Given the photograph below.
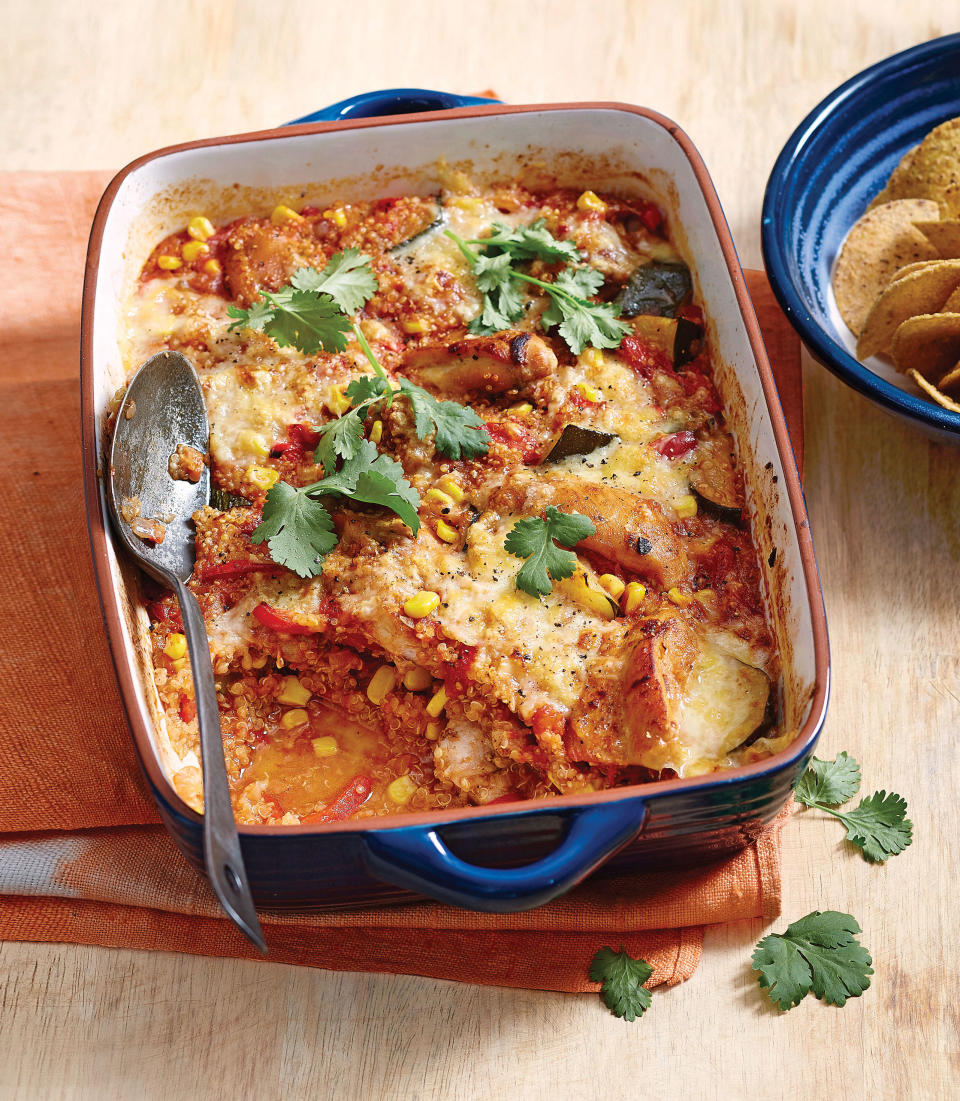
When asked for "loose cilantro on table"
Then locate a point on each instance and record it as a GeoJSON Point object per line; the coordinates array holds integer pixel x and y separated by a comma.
{"type": "Point", "coordinates": [310, 314]}
{"type": "Point", "coordinates": [622, 977]}
{"type": "Point", "coordinates": [879, 826]}
{"type": "Point", "coordinates": [579, 320]}
{"type": "Point", "coordinates": [533, 539]}
{"type": "Point", "coordinates": [818, 954]}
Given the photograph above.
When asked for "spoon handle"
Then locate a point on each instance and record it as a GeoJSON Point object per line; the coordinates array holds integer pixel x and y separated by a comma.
{"type": "Point", "coordinates": [221, 844]}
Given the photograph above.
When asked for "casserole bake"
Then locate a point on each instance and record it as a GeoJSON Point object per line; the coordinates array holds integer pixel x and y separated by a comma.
{"type": "Point", "coordinates": [628, 152]}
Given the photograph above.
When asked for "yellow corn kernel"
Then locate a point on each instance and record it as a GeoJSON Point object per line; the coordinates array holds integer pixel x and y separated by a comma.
{"type": "Point", "coordinates": [590, 393]}
{"type": "Point", "coordinates": [376, 431]}
{"type": "Point", "coordinates": [444, 499]}
{"type": "Point", "coordinates": [612, 584]}
{"type": "Point", "coordinates": [169, 263]}
{"type": "Point", "coordinates": [200, 228]}
{"type": "Point", "coordinates": [633, 596]}
{"type": "Point", "coordinates": [401, 790]}
{"type": "Point", "coordinates": [437, 703]}
{"type": "Point", "coordinates": [293, 692]}
{"type": "Point", "coordinates": [447, 533]}
{"type": "Point", "coordinates": [451, 486]}
{"type": "Point", "coordinates": [336, 215]}
{"type": "Point", "coordinates": [589, 200]}
{"type": "Point", "coordinates": [254, 442]}
{"type": "Point", "coordinates": [432, 732]}
{"type": "Point", "coordinates": [421, 604]}
{"type": "Point", "coordinates": [521, 410]}
{"type": "Point", "coordinates": [381, 683]}
{"type": "Point", "coordinates": [686, 506]}
{"type": "Point", "coordinates": [178, 664]}
{"type": "Point", "coordinates": [263, 477]}
{"type": "Point", "coordinates": [468, 202]}
{"type": "Point", "coordinates": [293, 718]}
{"type": "Point", "coordinates": [325, 746]}
{"type": "Point", "coordinates": [579, 587]}
{"type": "Point", "coordinates": [193, 250]}
{"type": "Point", "coordinates": [282, 214]}
{"type": "Point", "coordinates": [415, 325]}
{"type": "Point", "coordinates": [592, 357]}
{"type": "Point", "coordinates": [212, 267]}
{"type": "Point", "coordinates": [337, 401]}
{"type": "Point", "coordinates": [417, 680]}
{"type": "Point", "coordinates": [176, 646]}
{"type": "Point", "coordinates": [682, 600]}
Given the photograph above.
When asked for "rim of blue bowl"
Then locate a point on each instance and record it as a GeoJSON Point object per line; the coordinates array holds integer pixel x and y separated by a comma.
{"type": "Point", "coordinates": [780, 270]}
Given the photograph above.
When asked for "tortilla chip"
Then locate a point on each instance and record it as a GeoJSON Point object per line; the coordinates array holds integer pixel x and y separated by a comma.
{"type": "Point", "coordinates": [950, 383]}
{"type": "Point", "coordinates": [882, 242]}
{"type": "Point", "coordinates": [932, 392]}
{"type": "Point", "coordinates": [944, 236]}
{"type": "Point", "coordinates": [928, 343]}
{"type": "Point", "coordinates": [908, 269]}
{"type": "Point", "coordinates": [894, 184]}
{"type": "Point", "coordinates": [952, 304]}
{"type": "Point", "coordinates": [933, 171]}
{"type": "Point", "coordinates": [923, 291]}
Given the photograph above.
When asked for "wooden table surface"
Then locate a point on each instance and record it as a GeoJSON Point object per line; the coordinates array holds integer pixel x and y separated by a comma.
{"type": "Point", "coordinates": [92, 86]}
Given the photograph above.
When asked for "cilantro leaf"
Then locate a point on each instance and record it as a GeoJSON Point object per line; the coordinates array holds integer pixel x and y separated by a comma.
{"type": "Point", "coordinates": [339, 439]}
{"type": "Point", "coordinates": [879, 826]}
{"type": "Point", "coordinates": [829, 782]}
{"type": "Point", "coordinates": [533, 539]}
{"type": "Point", "coordinates": [532, 242]}
{"type": "Point", "coordinates": [582, 282]}
{"type": "Point", "coordinates": [297, 529]}
{"type": "Point", "coordinates": [622, 977]}
{"type": "Point", "coordinates": [459, 430]}
{"type": "Point", "coordinates": [255, 318]}
{"type": "Point", "coordinates": [298, 318]}
{"type": "Point", "coordinates": [503, 303]}
{"type": "Point", "coordinates": [366, 388]}
{"type": "Point", "coordinates": [582, 323]}
{"type": "Point", "coordinates": [347, 278]}
{"type": "Point", "coordinates": [818, 954]}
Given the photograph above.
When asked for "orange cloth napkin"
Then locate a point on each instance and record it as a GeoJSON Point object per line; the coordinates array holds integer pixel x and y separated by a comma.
{"type": "Point", "coordinates": [81, 856]}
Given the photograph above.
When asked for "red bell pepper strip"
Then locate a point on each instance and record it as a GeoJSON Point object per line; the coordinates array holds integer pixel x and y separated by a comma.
{"type": "Point", "coordinates": [236, 568]}
{"type": "Point", "coordinates": [346, 804]}
{"type": "Point", "coordinates": [277, 621]}
{"type": "Point", "coordinates": [675, 445]}
{"type": "Point", "coordinates": [645, 358]}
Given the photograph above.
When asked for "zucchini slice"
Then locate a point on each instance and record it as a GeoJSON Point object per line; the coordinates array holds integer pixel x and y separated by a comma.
{"type": "Point", "coordinates": [715, 480]}
{"type": "Point", "coordinates": [657, 288]}
{"type": "Point", "coordinates": [222, 500]}
{"type": "Point", "coordinates": [437, 221]}
{"type": "Point", "coordinates": [576, 440]}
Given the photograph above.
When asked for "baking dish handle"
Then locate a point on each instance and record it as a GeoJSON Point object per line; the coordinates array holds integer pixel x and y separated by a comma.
{"type": "Point", "coordinates": [416, 858]}
{"type": "Point", "coordinates": [390, 101]}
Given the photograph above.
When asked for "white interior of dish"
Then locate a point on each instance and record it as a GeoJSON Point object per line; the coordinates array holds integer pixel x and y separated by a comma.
{"type": "Point", "coordinates": [599, 148]}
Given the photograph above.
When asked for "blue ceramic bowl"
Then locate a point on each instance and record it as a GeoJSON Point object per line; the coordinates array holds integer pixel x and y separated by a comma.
{"type": "Point", "coordinates": [835, 162]}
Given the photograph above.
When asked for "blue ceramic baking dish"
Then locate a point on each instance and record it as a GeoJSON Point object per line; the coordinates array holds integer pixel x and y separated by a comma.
{"type": "Point", "coordinates": [835, 162]}
{"type": "Point", "coordinates": [504, 857]}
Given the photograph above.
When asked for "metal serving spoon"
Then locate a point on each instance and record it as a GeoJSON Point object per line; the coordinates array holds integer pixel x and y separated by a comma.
{"type": "Point", "coordinates": [163, 407]}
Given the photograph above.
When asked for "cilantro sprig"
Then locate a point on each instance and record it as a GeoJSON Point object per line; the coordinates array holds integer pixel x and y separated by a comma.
{"type": "Point", "coordinates": [878, 826]}
{"type": "Point", "coordinates": [298, 528]}
{"type": "Point", "coordinates": [578, 319]}
{"type": "Point", "coordinates": [535, 540]}
{"type": "Point", "coordinates": [818, 954]}
{"type": "Point", "coordinates": [311, 314]}
{"type": "Point", "coordinates": [622, 977]}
